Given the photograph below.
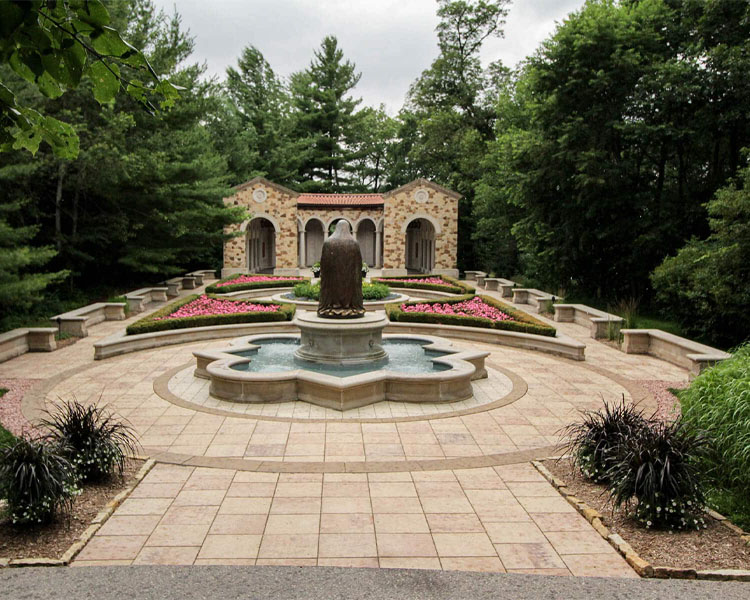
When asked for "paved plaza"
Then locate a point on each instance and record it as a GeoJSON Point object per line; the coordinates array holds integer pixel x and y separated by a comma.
{"type": "Point", "coordinates": [392, 485]}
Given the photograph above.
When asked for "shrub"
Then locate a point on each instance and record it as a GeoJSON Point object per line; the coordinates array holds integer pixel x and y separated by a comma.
{"type": "Point", "coordinates": [224, 286]}
{"type": "Point", "coordinates": [370, 291]}
{"type": "Point", "coordinates": [718, 401]}
{"type": "Point", "coordinates": [36, 480]}
{"type": "Point", "coordinates": [521, 322]}
{"type": "Point", "coordinates": [156, 322]}
{"type": "Point", "coordinates": [658, 467]}
{"type": "Point", "coordinates": [596, 441]}
{"type": "Point", "coordinates": [451, 286]}
{"type": "Point", "coordinates": [94, 441]}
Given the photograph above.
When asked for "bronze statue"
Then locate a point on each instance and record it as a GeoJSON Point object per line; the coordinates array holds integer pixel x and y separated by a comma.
{"type": "Point", "coordinates": [341, 276]}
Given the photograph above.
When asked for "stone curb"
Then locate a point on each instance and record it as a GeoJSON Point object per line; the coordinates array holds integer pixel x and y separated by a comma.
{"type": "Point", "coordinates": [639, 565]}
{"type": "Point", "coordinates": [96, 524]}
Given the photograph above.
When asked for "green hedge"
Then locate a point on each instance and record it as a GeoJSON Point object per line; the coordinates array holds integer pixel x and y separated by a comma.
{"type": "Point", "coordinates": [149, 325]}
{"type": "Point", "coordinates": [452, 286]}
{"type": "Point", "coordinates": [523, 323]}
{"type": "Point", "coordinates": [258, 285]}
{"type": "Point", "coordinates": [370, 291]}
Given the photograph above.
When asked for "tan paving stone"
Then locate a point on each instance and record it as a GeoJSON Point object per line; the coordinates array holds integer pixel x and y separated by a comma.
{"type": "Point", "coordinates": [335, 504]}
{"type": "Point", "coordinates": [199, 498]}
{"type": "Point", "coordinates": [557, 572]}
{"type": "Point", "coordinates": [178, 535]}
{"type": "Point", "coordinates": [113, 547]}
{"type": "Point", "coordinates": [557, 504]}
{"type": "Point", "coordinates": [598, 565]}
{"type": "Point", "coordinates": [579, 542]}
{"type": "Point", "coordinates": [288, 562]}
{"type": "Point", "coordinates": [295, 506]}
{"type": "Point", "coordinates": [288, 524]}
{"type": "Point", "coordinates": [230, 546]}
{"type": "Point", "coordinates": [362, 562]}
{"type": "Point", "coordinates": [129, 525]}
{"type": "Point", "coordinates": [245, 506]}
{"type": "Point", "coordinates": [401, 523]}
{"type": "Point", "coordinates": [238, 524]}
{"type": "Point", "coordinates": [515, 533]}
{"type": "Point", "coordinates": [410, 562]}
{"type": "Point", "coordinates": [190, 515]}
{"type": "Point", "coordinates": [560, 522]}
{"type": "Point", "coordinates": [237, 562]}
{"type": "Point", "coordinates": [454, 523]}
{"type": "Point", "coordinates": [144, 506]}
{"type": "Point", "coordinates": [447, 505]}
{"type": "Point", "coordinates": [289, 546]}
{"type": "Point", "coordinates": [529, 556]}
{"type": "Point", "coordinates": [166, 556]}
{"type": "Point", "coordinates": [346, 523]}
{"type": "Point", "coordinates": [349, 545]}
{"type": "Point", "coordinates": [399, 505]}
{"type": "Point", "coordinates": [490, 564]}
{"type": "Point", "coordinates": [463, 544]}
{"type": "Point", "coordinates": [405, 544]}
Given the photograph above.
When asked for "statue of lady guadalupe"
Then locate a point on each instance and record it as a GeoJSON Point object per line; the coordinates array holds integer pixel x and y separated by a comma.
{"type": "Point", "coordinates": [341, 276]}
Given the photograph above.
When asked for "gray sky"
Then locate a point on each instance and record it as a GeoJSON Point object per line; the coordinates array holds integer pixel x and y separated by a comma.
{"type": "Point", "coordinates": [390, 41]}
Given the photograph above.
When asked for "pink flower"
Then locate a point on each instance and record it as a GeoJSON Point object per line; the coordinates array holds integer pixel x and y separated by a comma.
{"type": "Point", "coordinates": [204, 306]}
{"type": "Point", "coordinates": [256, 279]}
{"type": "Point", "coordinates": [433, 280]}
{"type": "Point", "coordinates": [474, 307]}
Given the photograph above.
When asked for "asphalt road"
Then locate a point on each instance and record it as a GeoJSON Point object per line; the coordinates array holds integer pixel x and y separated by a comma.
{"type": "Point", "coordinates": [217, 582]}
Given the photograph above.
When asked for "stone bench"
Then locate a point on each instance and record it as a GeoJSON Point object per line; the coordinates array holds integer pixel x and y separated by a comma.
{"type": "Point", "coordinates": [76, 322]}
{"type": "Point", "coordinates": [138, 299]}
{"type": "Point", "coordinates": [473, 275]}
{"type": "Point", "coordinates": [173, 286]}
{"type": "Point", "coordinates": [600, 324]}
{"type": "Point", "coordinates": [536, 298]}
{"type": "Point", "coordinates": [500, 285]}
{"type": "Point", "coordinates": [189, 282]}
{"type": "Point", "coordinates": [27, 339]}
{"type": "Point", "coordinates": [677, 350]}
{"type": "Point", "coordinates": [205, 274]}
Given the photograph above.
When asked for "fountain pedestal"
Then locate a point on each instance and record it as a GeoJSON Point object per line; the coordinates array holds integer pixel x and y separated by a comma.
{"type": "Point", "coordinates": [341, 341]}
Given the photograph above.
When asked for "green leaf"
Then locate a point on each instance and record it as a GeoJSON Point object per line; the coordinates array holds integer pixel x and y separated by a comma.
{"type": "Point", "coordinates": [108, 42]}
{"type": "Point", "coordinates": [92, 12]}
{"type": "Point", "coordinates": [106, 81]}
{"type": "Point", "coordinates": [48, 86]}
{"type": "Point", "coordinates": [61, 137]}
{"type": "Point", "coordinates": [74, 61]}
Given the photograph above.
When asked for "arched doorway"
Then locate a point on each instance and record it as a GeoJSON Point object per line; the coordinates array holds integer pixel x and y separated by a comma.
{"type": "Point", "coordinates": [332, 225]}
{"type": "Point", "coordinates": [261, 246]}
{"type": "Point", "coordinates": [420, 246]}
{"type": "Point", "coordinates": [314, 238]}
{"type": "Point", "coordinates": [366, 239]}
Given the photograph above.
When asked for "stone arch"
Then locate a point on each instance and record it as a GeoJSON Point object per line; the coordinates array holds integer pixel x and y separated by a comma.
{"type": "Point", "coordinates": [367, 237]}
{"type": "Point", "coordinates": [419, 245]}
{"type": "Point", "coordinates": [260, 243]}
{"type": "Point", "coordinates": [335, 218]}
{"type": "Point", "coordinates": [426, 217]}
{"type": "Point", "coordinates": [311, 241]}
{"type": "Point", "coordinates": [261, 215]}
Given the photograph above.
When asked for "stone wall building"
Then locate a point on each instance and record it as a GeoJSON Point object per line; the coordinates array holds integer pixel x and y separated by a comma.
{"type": "Point", "coordinates": [412, 229]}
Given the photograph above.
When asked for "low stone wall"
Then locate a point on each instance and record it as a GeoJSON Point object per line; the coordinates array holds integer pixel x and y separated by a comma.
{"type": "Point", "coordinates": [139, 299]}
{"type": "Point", "coordinates": [27, 339]}
{"type": "Point", "coordinates": [677, 350]}
{"type": "Point", "coordinates": [533, 297]}
{"type": "Point", "coordinates": [474, 275]}
{"type": "Point", "coordinates": [76, 322]}
{"type": "Point", "coordinates": [601, 324]}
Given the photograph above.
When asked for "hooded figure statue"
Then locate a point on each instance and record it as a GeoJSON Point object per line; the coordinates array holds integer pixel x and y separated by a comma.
{"type": "Point", "coordinates": [341, 276]}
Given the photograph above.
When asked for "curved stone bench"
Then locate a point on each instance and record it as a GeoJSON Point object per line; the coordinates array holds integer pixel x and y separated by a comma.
{"type": "Point", "coordinates": [601, 324]}
{"type": "Point", "coordinates": [27, 339]}
{"type": "Point", "coordinates": [204, 274]}
{"type": "Point", "coordinates": [190, 282]}
{"type": "Point", "coordinates": [139, 299]}
{"type": "Point", "coordinates": [504, 286]}
{"type": "Point", "coordinates": [533, 297]}
{"type": "Point", "coordinates": [370, 305]}
{"type": "Point", "coordinates": [76, 322]}
{"type": "Point", "coordinates": [173, 286]}
{"type": "Point", "coordinates": [677, 350]}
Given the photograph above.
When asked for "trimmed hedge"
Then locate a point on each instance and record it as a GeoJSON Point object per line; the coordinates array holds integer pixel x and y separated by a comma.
{"type": "Point", "coordinates": [452, 286]}
{"type": "Point", "coordinates": [149, 325]}
{"type": "Point", "coordinates": [256, 285]}
{"type": "Point", "coordinates": [522, 322]}
{"type": "Point", "coordinates": [370, 291]}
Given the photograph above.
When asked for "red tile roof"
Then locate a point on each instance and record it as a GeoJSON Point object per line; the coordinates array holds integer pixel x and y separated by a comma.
{"type": "Point", "coordinates": [340, 199]}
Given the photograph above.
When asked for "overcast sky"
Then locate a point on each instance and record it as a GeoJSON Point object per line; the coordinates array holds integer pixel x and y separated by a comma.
{"type": "Point", "coordinates": [390, 41]}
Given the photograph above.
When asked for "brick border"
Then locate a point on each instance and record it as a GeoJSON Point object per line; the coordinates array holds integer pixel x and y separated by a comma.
{"type": "Point", "coordinates": [95, 525]}
{"type": "Point", "coordinates": [640, 565]}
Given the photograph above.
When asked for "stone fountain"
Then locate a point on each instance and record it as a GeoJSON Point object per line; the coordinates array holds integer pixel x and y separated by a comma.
{"type": "Point", "coordinates": [341, 332]}
{"type": "Point", "coordinates": [339, 360]}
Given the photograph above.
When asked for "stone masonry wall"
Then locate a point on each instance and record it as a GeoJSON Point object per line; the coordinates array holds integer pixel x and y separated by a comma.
{"type": "Point", "coordinates": [281, 206]}
{"type": "Point", "coordinates": [401, 207]}
{"type": "Point", "coordinates": [350, 214]}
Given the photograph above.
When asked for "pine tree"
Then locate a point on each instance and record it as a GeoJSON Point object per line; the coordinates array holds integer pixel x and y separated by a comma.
{"type": "Point", "coordinates": [326, 117]}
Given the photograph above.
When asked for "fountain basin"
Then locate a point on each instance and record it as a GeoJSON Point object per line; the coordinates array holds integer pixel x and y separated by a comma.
{"type": "Point", "coordinates": [448, 381]}
{"type": "Point", "coordinates": [341, 341]}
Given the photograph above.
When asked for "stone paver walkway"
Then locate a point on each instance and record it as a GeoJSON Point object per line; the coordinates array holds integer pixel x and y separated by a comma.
{"type": "Point", "coordinates": [396, 485]}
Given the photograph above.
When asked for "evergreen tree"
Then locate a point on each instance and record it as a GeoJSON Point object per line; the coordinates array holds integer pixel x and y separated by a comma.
{"type": "Point", "coordinates": [326, 118]}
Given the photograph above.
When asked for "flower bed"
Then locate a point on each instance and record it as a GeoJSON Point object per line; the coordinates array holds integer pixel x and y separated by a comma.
{"type": "Point", "coordinates": [251, 281]}
{"type": "Point", "coordinates": [435, 283]}
{"type": "Point", "coordinates": [205, 310]}
{"type": "Point", "coordinates": [469, 311]}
